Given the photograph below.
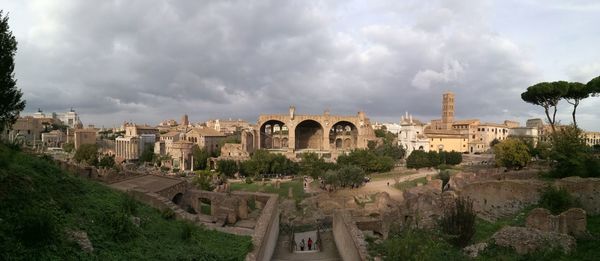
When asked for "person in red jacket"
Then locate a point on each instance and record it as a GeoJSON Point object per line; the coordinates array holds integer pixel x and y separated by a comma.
{"type": "Point", "coordinates": [310, 243]}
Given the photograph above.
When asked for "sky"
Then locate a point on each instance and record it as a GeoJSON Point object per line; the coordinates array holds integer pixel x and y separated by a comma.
{"type": "Point", "coordinates": [146, 61]}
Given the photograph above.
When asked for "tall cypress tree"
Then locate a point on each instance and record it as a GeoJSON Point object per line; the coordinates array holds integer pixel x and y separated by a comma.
{"type": "Point", "coordinates": [10, 96]}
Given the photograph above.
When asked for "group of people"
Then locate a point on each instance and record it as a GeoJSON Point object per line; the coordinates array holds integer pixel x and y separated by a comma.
{"type": "Point", "coordinates": [303, 245]}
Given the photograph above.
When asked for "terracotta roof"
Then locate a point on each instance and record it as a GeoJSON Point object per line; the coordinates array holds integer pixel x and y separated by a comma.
{"type": "Point", "coordinates": [171, 134]}
{"type": "Point", "coordinates": [207, 132]}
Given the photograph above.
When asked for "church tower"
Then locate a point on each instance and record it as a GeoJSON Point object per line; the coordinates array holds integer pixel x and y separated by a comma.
{"type": "Point", "coordinates": [448, 110]}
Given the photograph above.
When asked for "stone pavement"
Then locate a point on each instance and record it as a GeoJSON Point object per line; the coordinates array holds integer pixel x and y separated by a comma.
{"type": "Point", "coordinates": [329, 250]}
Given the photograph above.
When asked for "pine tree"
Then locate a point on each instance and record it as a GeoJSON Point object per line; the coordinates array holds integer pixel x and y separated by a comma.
{"type": "Point", "coordinates": [10, 96]}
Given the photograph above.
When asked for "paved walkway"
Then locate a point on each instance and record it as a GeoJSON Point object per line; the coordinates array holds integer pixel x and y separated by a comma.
{"type": "Point", "coordinates": [151, 183]}
{"type": "Point", "coordinates": [382, 186]}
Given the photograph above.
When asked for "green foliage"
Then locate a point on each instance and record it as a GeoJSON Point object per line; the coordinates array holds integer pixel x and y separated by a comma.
{"type": "Point", "coordinates": [187, 231]}
{"type": "Point", "coordinates": [249, 180]}
{"type": "Point", "coordinates": [494, 142]}
{"type": "Point", "coordinates": [575, 93]}
{"type": "Point", "coordinates": [10, 95]}
{"type": "Point", "coordinates": [512, 154]}
{"type": "Point", "coordinates": [390, 149]}
{"type": "Point", "coordinates": [547, 95]}
{"type": "Point", "coordinates": [68, 147]}
{"type": "Point", "coordinates": [311, 165]}
{"type": "Point", "coordinates": [367, 160]}
{"type": "Point", "coordinates": [203, 180]}
{"type": "Point", "coordinates": [40, 203]}
{"type": "Point", "coordinates": [147, 154]}
{"type": "Point", "coordinates": [418, 159]}
{"type": "Point", "coordinates": [459, 222]}
{"type": "Point", "coordinates": [227, 167]}
{"type": "Point", "coordinates": [167, 214]}
{"type": "Point", "coordinates": [413, 244]}
{"type": "Point", "coordinates": [345, 176]}
{"type": "Point", "coordinates": [121, 227]}
{"type": "Point", "coordinates": [297, 186]}
{"type": "Point", "coordinates": [571, 156]}
{"type": "Point", "coordinates": [201, 156]}
{"type": "Point", "coordinates": [107, 161]}
{"type": "Point", "coordinates": [445, 177]}
{"type": "Point", "coordinates": [87, 153]}
{"type": "Point", "coordinates": [263, 162]}
{"type": "Point", "coordinates": [410, 184]}
{"type": "Point", "coordinates": [128, 205]}
{"type": "Point", "coordinates": [556, 200]}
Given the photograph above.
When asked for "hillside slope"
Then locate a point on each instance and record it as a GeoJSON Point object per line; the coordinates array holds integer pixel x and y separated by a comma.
{"type": "Point", "coordinates": [42, 206]}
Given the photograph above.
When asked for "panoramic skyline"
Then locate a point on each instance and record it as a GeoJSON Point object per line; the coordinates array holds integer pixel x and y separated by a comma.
{"type": "Point", "coordinates": [147, 61]}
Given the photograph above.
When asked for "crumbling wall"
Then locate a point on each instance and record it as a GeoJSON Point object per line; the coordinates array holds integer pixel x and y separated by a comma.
{"type": "Point", "coordinates": [266, 231]}
{"type": "Point", "coordinates": [572, 221]}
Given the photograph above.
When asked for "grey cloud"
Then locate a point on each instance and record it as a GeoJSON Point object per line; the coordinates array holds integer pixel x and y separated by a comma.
{"type": "Point", "coordinates": [151, 60]}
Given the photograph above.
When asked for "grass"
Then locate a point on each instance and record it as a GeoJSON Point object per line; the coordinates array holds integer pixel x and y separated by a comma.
{"type": "Point", "coordinates": [410, 184]}
{"type": "Point", "coordinates": [392, 174]}
{"type": "Point", "coordinates": [40, 203]}
{"type": "Point", "coordinates": [297, 186]}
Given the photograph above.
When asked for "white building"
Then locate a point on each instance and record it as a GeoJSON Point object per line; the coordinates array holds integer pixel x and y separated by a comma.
{"type": "Point", "coordinates": [411, 135]}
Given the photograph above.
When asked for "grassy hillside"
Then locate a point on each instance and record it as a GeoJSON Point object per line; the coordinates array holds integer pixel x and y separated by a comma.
{"type": "Point", "coordinates": [39, 205]}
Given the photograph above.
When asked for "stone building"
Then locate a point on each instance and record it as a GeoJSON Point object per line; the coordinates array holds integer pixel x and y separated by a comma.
{"type": "Point", "coordinates": [136, 139]}
{"type": "Point", "coordinates": [529, 134]}
{"type": "Point", "coordinates": [181, 154]}
{"type": "Point", "coordinates": [592, 138]}
{"type": "Point", "coordinates": [467, 136]}
{"type": "Point", "coordinates": [227, 126]}
{"type": "Point", "coordinates": [84, 136]}
{"type": "Point", "coordinates": [327, 135]}
{"type": "Point", "coordinates": [27, 129]}
{"type": "Point", "coordinates": [206, 138]}
{"type": "Point", "coordinates": [54, 138]}
{"type": "Point", "coordinates": [412, 135]}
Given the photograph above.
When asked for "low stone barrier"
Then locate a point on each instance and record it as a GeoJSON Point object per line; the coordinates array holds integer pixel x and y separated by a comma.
{"type": "Point", "coordinates": [348, 238]}
{"type": "Point", "coordinates": [266, 231]}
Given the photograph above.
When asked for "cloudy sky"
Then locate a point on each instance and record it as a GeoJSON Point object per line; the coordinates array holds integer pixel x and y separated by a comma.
{"type": "Point", "coordinates": [147, 60]}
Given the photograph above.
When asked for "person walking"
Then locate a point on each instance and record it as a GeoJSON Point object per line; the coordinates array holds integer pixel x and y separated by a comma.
{"type": "Point", "coordinates": [310, 243]}
{"type": "Point", "coordinates": [302, 244]}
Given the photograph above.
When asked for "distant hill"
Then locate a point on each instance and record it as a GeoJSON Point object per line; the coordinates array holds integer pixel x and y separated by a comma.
{"type": "Point", "coordinates": [42, 210]}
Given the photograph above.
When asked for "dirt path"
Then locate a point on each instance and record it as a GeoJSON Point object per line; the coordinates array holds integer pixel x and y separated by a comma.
{"type": "Point", "coordinates": [382, 186]}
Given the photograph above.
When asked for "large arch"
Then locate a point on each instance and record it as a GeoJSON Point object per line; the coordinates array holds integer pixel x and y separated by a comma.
{"type": "Point", "coordinates": [272, 133]}
{"type": "Point", "coordinates": [309, 135]}
{"type": "Point", "coordinates": [343, 135]}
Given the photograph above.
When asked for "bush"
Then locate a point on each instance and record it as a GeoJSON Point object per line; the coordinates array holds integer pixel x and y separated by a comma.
{"type": "Point", "coordinates": [167, 213]}
{"type": "Point", "coordinates": [128, 204]}
{"type": "Point", "coordinates": [249, 180]}
{"type": "Point", "coordinates": [187, 231]}
{"type": "Point", "coordinates": [418, 159]}
{"type": "Point", "coordinates": [459, 222]}
{"type": "Point", "coordinates": [122, 228]}
{"type": "Point", "coordinates": [571, 156]}
{"type": "Point", "coordinates": [227, 167]}
{"type": "Point", "coordinates": [445, 177]}
{"type": "Point", "coordinates": [413, 244]}
{"type": "Point", "coordinates": [203, 181]}
{"type": "Point", "coordinates": [556, 200]}
{"type": "Point", "coordinates": [512, 154]}
{"type": "Point", "coordinates": [87, 153]}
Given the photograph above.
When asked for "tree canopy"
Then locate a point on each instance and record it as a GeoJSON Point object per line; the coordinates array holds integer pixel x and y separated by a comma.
{"type": "Point", "coordinates": [512, 154]}
{"type": "Point", "coordinates": [547, 95]}
{"type": "Point", "coordinates": [11, 103]}
{"type": "Point", "coordinates": [87, 153]}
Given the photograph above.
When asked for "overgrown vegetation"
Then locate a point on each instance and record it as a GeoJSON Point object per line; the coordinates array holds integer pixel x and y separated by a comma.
{"type": "Point", "coordinates": [41, 203]}
{"type": "Point", "coordinates": [459, 222]}
{"type": "Point", "coordinates": [571, 156]}
{"type": "Point", "coordinates": [512, 154]}
{"type": "Point", "coordinates": [87, 153]}
{"type": "Point", "coordinates": [556, 200]}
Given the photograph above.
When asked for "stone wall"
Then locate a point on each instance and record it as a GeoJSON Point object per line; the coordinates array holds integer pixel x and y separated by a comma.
{"type": "Point", "coordinates": [586, 191]}
{"type": "Point", "coordinates": [348, 238]}
{"type": "Point", "coordinates": [493, 199]}
{"type": "Point", "coordinates": [266, 230]}
{"type": "Point", "coordinates": [572, 221]}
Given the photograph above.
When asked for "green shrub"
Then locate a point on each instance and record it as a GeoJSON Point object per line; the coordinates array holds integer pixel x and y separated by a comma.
{"type": "Point", "coordinates": [413, 244]}
{"type": "Point", "coordinates": [122, 228]}
{"type": "Point", "coordinates": [167, 213]}
{"type": "Point", "coordinates": [556, 200]}
{"type": "Point", "coordinates": [249, 180]}
{"type": "Point", "coordinates": [512, 154]}
{"type": "Point", "coordinates": [187, 231]}
{"type": "Point", "coordinates": [128, 204]}
{"type": "Point", "coordinates": [445, 177]}
{"type": "Point", "coordinates": [459, 222]}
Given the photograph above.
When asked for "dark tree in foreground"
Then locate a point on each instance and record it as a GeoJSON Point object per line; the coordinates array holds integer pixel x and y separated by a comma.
{"type": "Point", "coordinates": [547, 95]}
{"type": "Point", "coordinates": [10, 96]}
{"type": "Point", "coordinates": [575, 93]}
